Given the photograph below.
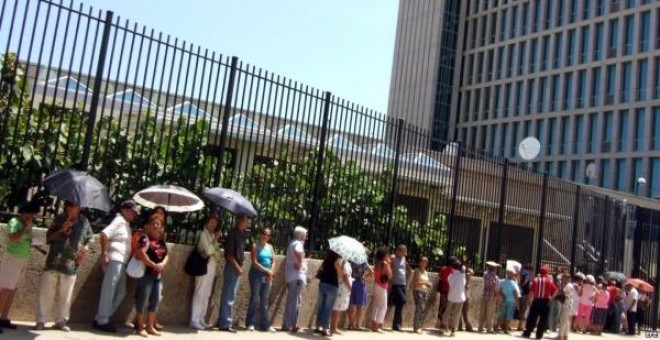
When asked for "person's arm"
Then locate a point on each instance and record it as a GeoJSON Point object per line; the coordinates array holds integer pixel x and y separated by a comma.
{"type": "Point", "coordinates": [205, 246]}
{"type": "Point", "coordinates": [368, 271]}
{"type": "Point", "coordinates": [60, 226]}
{"type": "Point", "coordinates": [273, 266]}
{"type": "Point", "coordinates": [339, 265]}
{"type": "Point", "coordinates": [415, 279]}
{"type": "Point", "coordinates": [298, 256]}
{"type": "Point", "coordinates": [230, 249]}
{"type": "Point", "coordinates": [105, 258]}
{"type": "Point", "coordinates": [18, 235]}
{"type": "Point", "coordinates": [141, 254]}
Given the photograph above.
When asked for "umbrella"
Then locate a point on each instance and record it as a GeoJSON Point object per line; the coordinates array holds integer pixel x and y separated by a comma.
{"type": "Point", "coordinates": [641, 285]}
{"type": "Point", "coordinates": [616, 276]}
{"type": "Point", "coordinates": [171, 197]}
{"type": "Point", "coordinates": [349, 249]}
{"type": "Point", "coordinates": [231, 201]}
{"type": "Point", "coordinates": [79, 187]}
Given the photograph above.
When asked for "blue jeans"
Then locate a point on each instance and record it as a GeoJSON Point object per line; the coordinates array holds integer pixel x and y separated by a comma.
{"type": "Point", "coordinates": [230, 281]}
{"type": "Point", "coordinates": [293, 291]}
{"type": "Point", "coordinates": [259, 293]}
{"type": "Point", "coordinates": [147, 294]}
{"type": "Point", "coordinates": [399, 298]}
{"type": "Point", "coordinates": [327, 296]}
{"type": "Point", "coordinates": [113, 291]}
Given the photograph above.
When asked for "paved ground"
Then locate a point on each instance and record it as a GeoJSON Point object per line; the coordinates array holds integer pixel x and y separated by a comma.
{"type": "Point", "coordinates": [85, 332]}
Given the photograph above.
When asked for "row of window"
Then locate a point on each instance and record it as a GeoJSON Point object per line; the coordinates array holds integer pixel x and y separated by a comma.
{"type": "Point", "coordinates": [621, 83]}
{"type": "Point", "coordinates": [528, 17]}
{"type": "Point", "coordinates": [563, 49]}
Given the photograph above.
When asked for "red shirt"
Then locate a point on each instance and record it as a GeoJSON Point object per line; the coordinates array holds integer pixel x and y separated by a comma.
{"type": "Point", "coordinates": [543, 287]}
{"type": "Point", "coordinates": [613, 293]}
{"type": "Point", "coordinates": [444, 274]}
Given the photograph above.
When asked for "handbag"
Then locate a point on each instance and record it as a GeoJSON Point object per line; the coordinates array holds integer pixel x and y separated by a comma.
{"type": "Point", "coordinates": [196, 265]}
{"type": "Point", "coordinates": [135, 268]}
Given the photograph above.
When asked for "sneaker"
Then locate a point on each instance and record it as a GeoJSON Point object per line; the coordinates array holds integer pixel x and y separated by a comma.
{"type": "Point", "coordinates": [6, 323]}
{"type": "Point", "coordinates": [197, 326]}
{"type": "Point", "coordinates": [271, 329]}
{"type": "Point", "coordinates": [204, 324]}
{"type": "Point", "coordinates": [39, 326]}
{"type": "Point", "coordinates": [62, 326]}
{"type": "Point", "coordinates": [250, 328]}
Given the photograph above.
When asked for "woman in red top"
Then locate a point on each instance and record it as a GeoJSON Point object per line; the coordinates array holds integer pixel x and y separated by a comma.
{"type": "Point", "coordinates": [382, 276]}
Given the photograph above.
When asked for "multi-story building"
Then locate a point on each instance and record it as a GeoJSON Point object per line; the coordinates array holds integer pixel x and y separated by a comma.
{"type": "Point", "coordinates": [582, 76]}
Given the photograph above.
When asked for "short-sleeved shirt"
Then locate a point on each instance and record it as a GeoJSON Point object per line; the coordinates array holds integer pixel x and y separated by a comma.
{"type": "Point", "coordinates": [491, 286]}
{"type": "Point", "coordinates": [156, 251]}
{"type": "Point", "coordinates": [631, 300]}
{"type": "Point", "coordinates": [399, 271]}
{"type": "Point", "coordinates": [588, 294]}
{"type": "Point", "coordinates": [64, 249]}
{"type": "Point", "coordinates": [234, 245]}
{"type": "Point", "coordinates": [510, 290]}
{"type": "Point", "coordinates": [20, 249]}
{"type": "Point", "coordinates": [445, 271]}
{"type": "Point", "coordinates": [291, 273]}
{"type": "Point", "coordinates": [603, 299]}
{"type": "Point", "coordinates": [525, 275]}
{"type": "Point", "coordinates": [118, 233]}
{"type": "Point", "coordinates": [208, 245]}
{"type": "Point", "coordinates": [456, 292]}
{"type": "Point", "coordinates": [543, 287]}
{"type": "Point", "coordinates": [613, 293]}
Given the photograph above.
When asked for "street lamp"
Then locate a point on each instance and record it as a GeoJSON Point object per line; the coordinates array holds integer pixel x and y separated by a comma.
{"type": "Point", "coordinates": [640, 182]}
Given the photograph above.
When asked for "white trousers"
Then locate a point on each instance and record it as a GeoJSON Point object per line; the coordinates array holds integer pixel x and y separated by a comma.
{"type": "Point", "coordinates": [49, 287]}
{"type": "Point", "coordinates": [380, 304]}
{"type": "Point", "coordinates": [203, 288]}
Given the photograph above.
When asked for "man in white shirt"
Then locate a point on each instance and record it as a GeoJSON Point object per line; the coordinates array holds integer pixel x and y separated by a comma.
{"type": "Point", "coordinates": [455, 298]}
{"type": "Point", "coordinates": [296, 278]}
{"type": "Point", "coordinates": [115, 253]}
{"type": "Point", "coordinates": [631, 308]}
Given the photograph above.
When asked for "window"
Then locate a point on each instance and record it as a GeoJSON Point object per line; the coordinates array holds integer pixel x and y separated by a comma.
{"type": "Point", "coordinates": [595, 87]}
{"type": "Point", "coordinates": [548, 14]}
{"type": "Point", "coordinates": [565, 133]}
{"type": "Point", "coordinates": [490, 65]}
{"type": "Point", "coordinates": [640, 118]}
{"type": "Point", "coordinates": [578, 135]}
{"type": "Point", "coordinates": [552, 128]}
{"type": "Point", "coordinates": [532, 56]}
{"type": "Point", "coordinates": [500, 62]}
{"type": "Point", "coordinates": [614, 38]}
{"type": "Point", "coordinates": [572, 15]}
{"type": "Point", "coordinates": [546, 53]}
{"type": "Point", "coordinates": [510, 56]}
{"type": "Point", "coordinates": [621, 175]}
{"type": "Point", "coordinates": [568, 91]}
{"type": "Point", "coordinates": [638, 171]}
{"type": "Point", "coordinates": [473, 27]}
{"type": "Point", "coordinates": [479, 67]}
{"type": "Point", "coordinates": [486, 103]}
{"type": "Point", "coordinates": [493, 139]}
{"type": "Point", "coordinates": [584, 52]}
{"type": "Point", "coordinates": [655, 180]}
{"type": "Point", "coordinates": [570, 50]}
{"type": "Point", "coordinates": [527, 128]}
{"type": "Point", "coordinates": [466, 107]}
{"type": "Point", "coordinates": [550, 168]}
{"type": "Point", "coordinates": [656, 82]}
{"type": "Point", "coordinates": [476, 105]}
{"type": "Point", "coordinates": [624, 134]}
{"type": "Point", "coordinates": [600, 7]}
{"type": "Point", "coordinates": [503, 25]}
{"type": "Point", "coordinates": [513, 144]}
{"type": "Point", "coordinates": [531, 86]}
{"type": "Point", "coordinates": [626, 77]}
{"type": "Point", "coordinates": [537, 16]}
{"type": "Point", "coordinates": [598, 49]}
{"type": "Point", "coordinates": [593, 132]}
{"type": "Point", "coordinates": [504, 139]}
{"type": "Point", "coordinates": [561, 170]}
{"type": "Point", "coordinates": [540, 131]}
{"type": "Point", "coordinates": [586, 9]}
{"type": "Point", "coordinates": [508, 99]}
{"type": "Point", "coordinates": [522, 54]}
{"type": "Point", "coordinates": [542, 95]}
{"type": "Point", "coordinates": [630, 33]}
{"type": "Point", "coordinates": [611, 85]}
{"type": "Point", "coordinates": [558, 51]}
{"type": "Point", "coordinates": [606, 174]}
{"type": "Point", "coordinates": [554, 103]}
{"type": "Point", "coordinates": [493, 28]}
{"type": "Point", "coordinates": [576, 174]}
{"type": "Point", "coordinates": [582, 89]}
{"type": "Point", "coordinates": [608, 134]}
{"type": "Point", "coordinates": [645, 27]}
{"type": "Point", "coordinates": [496, 103]}
{"type": "Point", "coordinates": [525, 19]}
{"type": "Point", "coordinates": [630, 3]}
{"type": "Point", "coordinates": [482, 35]}
{"type": "Point", "coordinates": [642, 79]}
{"type": "Point", "coordinates": [513, 32]}
{"type": "Point", "coordinates": [519, 97]}
{"type": "Point", "coordinates": [655, 137]}
{"type": "Point", "coordinates": [560, 12]}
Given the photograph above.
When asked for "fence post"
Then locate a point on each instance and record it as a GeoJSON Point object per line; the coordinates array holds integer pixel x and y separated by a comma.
{"type": "Point", "coordinates": [656, 298]}
{"type": "Point", "coordinates": [454, 194]}
{"type": "Point", "coordinates": [539, 241]}
{"type": "Point", "coordinates": [395, 180]}
{"type": "Point", "coordinates": [576, 225]}
{"type": "Point", "coordinates": [502, 210]}
{"type": "Point", "coordinates": [96, 92]}
{"type": "Point", "coordinates": [225, 119]}
{"type": "Point", "coordinates": [318, 180]}
{"type": "Point", "coordinates": [606, 224]}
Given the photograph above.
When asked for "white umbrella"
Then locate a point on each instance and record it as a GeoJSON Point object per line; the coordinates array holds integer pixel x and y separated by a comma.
{"type": "Point", "coordinates": [349, 249]}
{"type": "Point", "coordinates": [171, 197]}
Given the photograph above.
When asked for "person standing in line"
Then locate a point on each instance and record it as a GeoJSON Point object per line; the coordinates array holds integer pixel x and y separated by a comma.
{"type": "Point", "coordinates": [399, 281]}
{"type": "Point", "coordinates": [565, 299]}
{"type": "Point", "coordinates": [465, 315]}
{"type": "Point", "coordinates": [296, 278]}
{"type": "Point", "coordinates": [382, 277]}
{"type": "Point", "coordinates": [261, 281]}
{"type": "Point", "coordinates": [524, 283]}
{"type": "Point", "coordinates": [14, 259]}
{"type": "Point", "coordinates": [630, 303]}
{"type": "Point", "coordinates": [343, 295]}
{"type": "Point", "coordinates": [443, 289]}
{"type": "Point", "coordinates": [421, 285]}
{"type": "Point", "coordinates": [69, 239]}
{"type": "Point", "coordinates": [578, 280]}
{"type": "Point", "coordinates": [209, 248]}
{"type": "Point", "coordinates": [553, 316]}
{"type": "Point", "coordinates": [510, 293]}
{"type": "Point", "coordinates": [455, 298]}
{"type": "Point", "coordinates": [359, 295]}
{"type": "Point", "coordinates": [599, 314]}
{"type": "Point", "coordinates": [541, 292]}
{"type": "Point", "coordinates": [642, 306]}
{"type": "Point", "coordinates": [115, 253]}
{"type": "Point", "coordinates": [233, 271]}
{"type": "Point", "coordinates": [490, 297]}
{"type": "Point", "coordinates": [587, 295]}
{"type": "Point", "coordinates": [613, 323]}
{"type": "Point", "coordinates": [328, 275]}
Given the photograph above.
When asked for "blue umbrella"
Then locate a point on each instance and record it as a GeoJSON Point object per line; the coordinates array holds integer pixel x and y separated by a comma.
{"type": "Point", "coordinates": [79, 187]}
{"type": "Point", "coordinates": [230, 200]}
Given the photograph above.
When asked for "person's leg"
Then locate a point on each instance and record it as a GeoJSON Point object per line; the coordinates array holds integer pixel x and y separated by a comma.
{"type": "Point", "coordinates": [290, 320]}
{"type": "Point", "coordinates": [263, 305]}
{"type": "Point", "coordinates": [109, 289]}
{"type": "Point", "coordinates": [142, 293]}
{"type": "Point", "coordinates": [323, 296]}
{"type": "Point", "coordinates": [255, 293]}
{"type": "Point", "coordinates": [417, 298]}
{"type": "Point", "coordinates": [482, 316]}
{"type": "Point", "coordinates": [120, 290]}
{"type": "Point", "coordinates": [331, 295]}
{"type": "Point", "coordinates": [154, 302]}
{"type": "Point", "coordinates": [522, 312]}
{"type": "Point", "coordinates": [399, 292]}
{"type": "Point", "coordinates": [632, 322]}
{"type": "Point", "coordinates": [46, 295]}
{"type": "Point", "coordinates": [544, 310]}
{"type": "Point", "coordinates": [465, 316]}
{"type": "Point", "coordinates": [198, 301]}
{"type": "Point", "coordinates": [67, 283]}
{"type": "Point", "coordinates": [456, 315]}
{"type": "Point", "coordinates": [230, 283]}
{"type": "Point", "coordinates": [532, 318]}
{"type": "Point", "coordinates": [490, 315]}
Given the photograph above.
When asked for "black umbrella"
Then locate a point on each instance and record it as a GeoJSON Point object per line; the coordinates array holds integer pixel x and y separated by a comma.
{"type": "Point", "coordinates": [616, 276]}
{"type": "Point", "coordinates": [79, 187]}
{"type": "Point", "coordinates": [231, 201]}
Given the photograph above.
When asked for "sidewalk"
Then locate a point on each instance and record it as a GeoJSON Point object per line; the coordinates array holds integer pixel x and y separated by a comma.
{"type": "Point", "coordinates": [85, 332]}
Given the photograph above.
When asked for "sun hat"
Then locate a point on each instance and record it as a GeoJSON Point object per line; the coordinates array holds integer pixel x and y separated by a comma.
{"type": "Point", "coordinates": [492, 264]}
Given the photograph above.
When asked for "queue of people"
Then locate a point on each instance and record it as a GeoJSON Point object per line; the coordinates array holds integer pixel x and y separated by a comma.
{"type": "Point", "coordinates": [559, 302]}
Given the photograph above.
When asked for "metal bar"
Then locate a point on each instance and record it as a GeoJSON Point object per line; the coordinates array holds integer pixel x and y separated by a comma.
{"type": "Point", "coordinates": [225, 118]}
{"type": "Point", "coordinates": [502, 208]}
{"type": "Point", "coordinates": [313, 228]}
{"type": "Point", "coordinates": [395, 179]}
{"type": "Point", "coordinates": [605, 243]}
{"type": "Point", "coordinates": [454, 195]}
{"type": "Point", "coordinates": [539, 240]}
{"type": "Point", "coordinates": [576, 225]}
{"type": "Point", "coordinates": [91, 121]}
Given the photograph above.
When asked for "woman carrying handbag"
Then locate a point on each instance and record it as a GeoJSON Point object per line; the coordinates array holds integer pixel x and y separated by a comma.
{"type": "Point", "coordinates": [208, 248]}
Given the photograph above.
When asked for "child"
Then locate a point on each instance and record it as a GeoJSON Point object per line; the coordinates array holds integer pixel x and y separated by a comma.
{"type": "Point", "coordinates": [599, 314]}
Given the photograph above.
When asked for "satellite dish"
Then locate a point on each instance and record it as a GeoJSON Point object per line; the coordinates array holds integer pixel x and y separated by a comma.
{"type": "Point", "coordinates": [591, 171]}
{"type": "Point", "coordinates": [529, 148]}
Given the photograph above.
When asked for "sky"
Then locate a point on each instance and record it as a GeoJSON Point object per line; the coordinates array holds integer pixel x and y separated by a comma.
{"type": "Point", "coordinates": [342, 46]}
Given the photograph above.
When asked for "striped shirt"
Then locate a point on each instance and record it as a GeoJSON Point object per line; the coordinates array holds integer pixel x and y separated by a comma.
{"type": "Point", "coordinates": [491, 286]}
{"type": "Point", "coordinates": [543, 287]}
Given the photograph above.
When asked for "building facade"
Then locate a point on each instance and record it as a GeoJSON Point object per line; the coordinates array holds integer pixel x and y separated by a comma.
{"type": "Point", "coordinates": [582, 76]}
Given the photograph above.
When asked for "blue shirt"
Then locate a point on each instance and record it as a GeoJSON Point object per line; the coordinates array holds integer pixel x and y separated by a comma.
{"type": "Point", "coordinates": [509, 289]}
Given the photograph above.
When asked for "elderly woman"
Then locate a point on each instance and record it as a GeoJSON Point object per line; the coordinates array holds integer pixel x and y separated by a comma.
{"type": "Point", "coordinates": [296, 278]}
{"type": "Point", "coordinates": [15, 258]}
{"type": "Point", "coordinates": [261, 281]}
{"type": "Point", "coordinates": [152, 251]}
{"type": "Point", "coordinates": [209, 248]}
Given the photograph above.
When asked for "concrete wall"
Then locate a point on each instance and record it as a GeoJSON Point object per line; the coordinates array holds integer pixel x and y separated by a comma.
{"type": "Point", "coordinates": [178, 290]}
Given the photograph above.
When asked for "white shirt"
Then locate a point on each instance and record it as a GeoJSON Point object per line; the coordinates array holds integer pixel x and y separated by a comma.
{"type": "Point", "coordinates": [118, 233]}
{"type": "Point", "coordinates": [631, 300]}
{"type": "Point", "coordinates": [291, 273]}
{"type": "Point", "coordinates": [456, 287]}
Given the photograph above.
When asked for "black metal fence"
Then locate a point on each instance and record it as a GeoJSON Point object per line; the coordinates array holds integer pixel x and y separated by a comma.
{"type": "Point", "coordinates": [84, 88]}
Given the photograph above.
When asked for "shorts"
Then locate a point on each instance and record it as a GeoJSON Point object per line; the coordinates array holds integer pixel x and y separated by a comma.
{"type": "Point", "coordinates": [12, 271]}
{"type": "Point", "coordinates": [507, 310]}
{"type": "Point", "coordinates": [584, 312]}
{"type": "Point", "coordinates": [598, 316]}
{"type": "Point", "coordinates": [343, 298]}
{"type": "Point", "coordinates": [359, 293]}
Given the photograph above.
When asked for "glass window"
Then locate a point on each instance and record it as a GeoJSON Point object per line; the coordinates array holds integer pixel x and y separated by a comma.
{"type": "Point", "coordinates": [611, 84]}
{"type": "Point", "coordinates": [525, 18]}
{"type": "Point", "coordinates": [624, 134]}
{"type": "Point", "coordinates": [482, 35]}
{"type": "Point", "coordinates": [608, 134]}
{"type": "Point", "coordinates": [519, 97]}
{"type": "Point", "coordinates": [476, 105]}
{"type": "Point", "coordinates": [598, 49]}
{"type": "Point", "coordinates": [565, 133]}
{"type": "Point", "coordinates": [527, 128]}
{"type": "Point", "coordinates": [486, 103]}
{"type": "Point", "coordinates": [540, 131]}
{"type": "Point", "coordinates": [546, 53]}
{"type": "Point", "coordinates": [570, 49]}
{"type": "Point", "coordinates": [606, 174]}
{"type": "Point", "coordinates": [513, 32]}
{"type": "Point", "coordinates": [532, 55]}
{"type": "Point", "coordinates": [561, 170]}
{"type": "Point", "coordinates": [493, 139]}
{"type": "Point", "coordinates": [595, 87]}
{"type": "Point", "coordinates": [582, 89]}
{"type": "Point", "coordinates": [644, 31]}
{"type": "Point", "coordinates": [576, 175]}
{"type": "Point", "coordinates": [578, 135]}
{"type": "Point", "coordinates": [630, 33]}
{"type": "Point", "coordinates": [621, 175]}
{"type": "Point", "coordinates": [638, 171]}
{"type": "Point", "coordinates": [586, 9]}
{"type": "Point", "coordinates": [614, 38]}
{"type": "Point", "coordinates": [630, 3]}
{"type": "Point", "coordinates": [640, 118]}
{"type": "Point", "coordinates": [504, 139]}
{"type": "Point", "coordinates": [503, 24]}
{"type": "Point", "coordinates": [475, 33]}
{"type": "Point", "coordinates": [593, 132]}
{"type": "Point", "coordinates": [655, 179]}
{"type": "Point", "coordinates": [554, 103]}
{"type": "Point", "coordinates": [642, 79]}
{"type": "Point", "coordinates": [568, 91]}
{"type": "Point", "coordinates": [537, 16]}
{"type": "Point", "coordinates": [513, 144]}
{"type": "Point", "coordinates": [552, 129]}
{"type": "Point", "coordinates": [655, 138]}
{"type": "Point", "coordinates": [550, 168]}
{"type": "Point", "coordinates": [500, 63]}
{"type": "Point", "coordinates": [584, 52]}
{"type": "Point", "coordinates": [493, 28]}
{"type": "Point", "coordinates": [531, 86]}
{"type": "Point", "coordinates": [490, 65]}
{"type": "Point", "coordinates": [560, 12]}
{"type": "Point", "coordinates": [508, 93]}
{"type": "Point", "coordinates": [572, 15]}
{"type": "Point", "coordinates": [600, 7]}
{"type": "Point", "coordinates": [656, 82]}
{"type": "Point", "coordinates": [496, 103]}
{"type": "Point", "coordinates": [558, 50]}
{"type": "Point", "coordinates": [510, 55]}
{"type": "Point", "coordinates": [626, 76]}
{"type": "Point", "coordinates": [542, 95]}
{"type": "Point", "coordinates": [522, 54]}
